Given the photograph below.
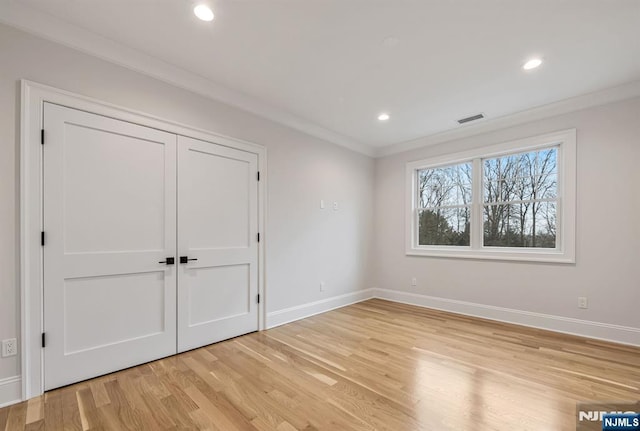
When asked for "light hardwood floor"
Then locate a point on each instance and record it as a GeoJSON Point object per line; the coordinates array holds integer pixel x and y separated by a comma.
{"type": "Point", "coordinates": [375, 365]}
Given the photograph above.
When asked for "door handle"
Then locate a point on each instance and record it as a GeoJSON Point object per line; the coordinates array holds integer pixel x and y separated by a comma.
{"type": "Point", "coordinates": [169, 261]}
{"type": "Point", "coordinates": [185, 259]}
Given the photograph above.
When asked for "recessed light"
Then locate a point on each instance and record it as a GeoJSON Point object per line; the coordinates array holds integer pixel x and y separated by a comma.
{"type": "Point", "coordinates": [203, 12]}
{"type": "Point", "coordinates": [532, 64]}
{"type": "Point", "coordinates": [383, 117]}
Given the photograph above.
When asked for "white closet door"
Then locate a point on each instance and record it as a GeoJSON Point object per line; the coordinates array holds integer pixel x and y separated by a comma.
{"type": "Point", "coordinates": [217, 226]}
{"type": "Point", "coordinates": [110, 218]}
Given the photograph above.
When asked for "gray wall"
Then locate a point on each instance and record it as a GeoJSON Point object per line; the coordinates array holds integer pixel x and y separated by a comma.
{"type": "Point", "coordinates": [607, 268]}
{"type": "Point", "coordinates": [304, 244]}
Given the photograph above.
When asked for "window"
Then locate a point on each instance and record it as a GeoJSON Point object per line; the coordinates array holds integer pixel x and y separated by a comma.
{"type": "Point", "coordinates": [520, 199]}
{"type": "Point", "coordinates": [444, 205]}
{"type": "Point", "coordinates": [512, 201]}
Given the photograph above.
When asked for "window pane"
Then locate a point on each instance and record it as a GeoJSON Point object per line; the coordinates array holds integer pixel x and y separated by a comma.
{"type": "Point", "coordinates": [523, 176]}
{"type": "Point", "coordinates": [446, 226]}
{"type": "Point", "coordinates": [531, 224]}
{"type": "Point", "coordinates": [445, 186]}
{"type": "Point", "coordinates": [521, 189]}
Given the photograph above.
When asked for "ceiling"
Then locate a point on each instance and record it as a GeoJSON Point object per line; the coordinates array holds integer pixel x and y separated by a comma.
{"type": "Point", "coordinates": [334, 65]}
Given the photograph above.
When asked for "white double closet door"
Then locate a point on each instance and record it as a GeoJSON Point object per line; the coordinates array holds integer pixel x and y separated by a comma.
{"type": "Point", "coordinates": [120, 202]}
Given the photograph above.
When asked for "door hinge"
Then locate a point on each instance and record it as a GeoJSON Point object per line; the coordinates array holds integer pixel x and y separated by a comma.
{"type": "Point", "coordinates": [258, 236]}
{"type": "Point", "coordinates": [43, 340]}
{"type": "Point", "coordinates": [258, 175]}
{"type": "Point", "coordinates": [42, 136]}
{"type": "Point", "coordinates": [42, 238]}
{"type": "Point", "coordinates": [258, 298]}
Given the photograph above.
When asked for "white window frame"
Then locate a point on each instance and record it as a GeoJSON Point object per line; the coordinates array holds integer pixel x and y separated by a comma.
{"type": "Point", "coordinates": [564, 252]}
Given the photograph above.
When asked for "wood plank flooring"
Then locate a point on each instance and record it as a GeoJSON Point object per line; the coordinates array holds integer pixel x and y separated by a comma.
{"type": "Point", "coordinates": [375, 365]}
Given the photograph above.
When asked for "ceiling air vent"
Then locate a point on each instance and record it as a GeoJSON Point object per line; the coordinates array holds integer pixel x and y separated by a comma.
{"type": "Point", "coordinates": [472, 118]}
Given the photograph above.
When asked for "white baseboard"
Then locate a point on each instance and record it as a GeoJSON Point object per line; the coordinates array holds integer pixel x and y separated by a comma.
{"type": "Point", "coordinates": [288, 315]}
{"type": "Point", "coordinates": [567, 325]}
{"type": "Point", "coordinates": [10, 391]}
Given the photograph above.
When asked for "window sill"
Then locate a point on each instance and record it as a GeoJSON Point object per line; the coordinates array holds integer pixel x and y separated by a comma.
{"type": "Point", "coordinates": [492, 254]}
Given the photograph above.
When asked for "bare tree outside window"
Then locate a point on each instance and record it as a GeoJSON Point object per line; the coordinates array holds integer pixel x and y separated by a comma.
{"type": "Point", "coordinates": [520, 199]}
{"type": "Point", "coordinates": [444, 213]}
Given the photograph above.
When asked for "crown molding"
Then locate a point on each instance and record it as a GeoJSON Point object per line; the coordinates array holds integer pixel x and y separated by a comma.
{"type": "Point", "coordinates": [602, 97]}
{"type": "Point", "coordinates": [54, 29]}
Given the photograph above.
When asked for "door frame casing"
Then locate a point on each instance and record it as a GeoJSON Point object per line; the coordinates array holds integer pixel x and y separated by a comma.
{"type": "Point", "coordinates": [33, 97]}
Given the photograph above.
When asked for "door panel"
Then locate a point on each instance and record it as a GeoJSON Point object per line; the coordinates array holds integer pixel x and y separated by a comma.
{"type": "Point", "coordinates": [90, 301]}
{"type": "Point", "coordinates": [110, 218]}
{"type": "Point", "coordinates": [218, 293]}
{"type": "Point", "coordinates": [217, 225]}
{"type": "Point", "coordinates": [222, 220]}
{"type": "Point", "coordinates": [104, 173]}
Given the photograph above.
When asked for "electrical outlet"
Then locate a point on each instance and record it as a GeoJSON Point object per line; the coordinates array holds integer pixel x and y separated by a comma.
{"type": "Point", "coordinates": [335, 206]}
{"type": "Point", "coordinates": [583, 302]}
{"type": "Point", "coordinates": [414, 282]}
{"type": "Point", "coordinates": [321, 204]}
{"type": "Point", "coordinates": [9, 347]}
{"type": "Point", "coordinates": [322, 286]}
